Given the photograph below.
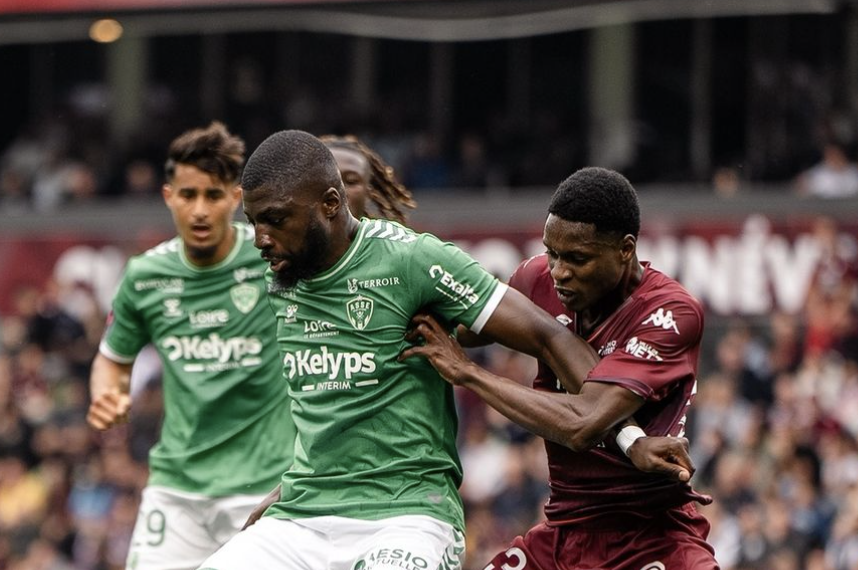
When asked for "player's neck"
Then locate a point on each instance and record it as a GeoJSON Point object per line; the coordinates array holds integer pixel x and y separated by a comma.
{"type": "Point", "coordinates": [341, 241]}
{"type": "Point", "coordinates": [594, 316]}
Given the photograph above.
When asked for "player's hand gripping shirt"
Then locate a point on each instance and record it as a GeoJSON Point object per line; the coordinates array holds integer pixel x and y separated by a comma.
{"type": "Point", "coordinates": [226, 427]}
{"type": "Point", "coordinates": [376, 437]}
{"type": "Point", "coordinates": [650, 346]}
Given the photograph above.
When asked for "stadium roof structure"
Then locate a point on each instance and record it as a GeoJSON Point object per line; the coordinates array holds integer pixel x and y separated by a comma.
{"type": "Point", "coordinates": [46, 21]}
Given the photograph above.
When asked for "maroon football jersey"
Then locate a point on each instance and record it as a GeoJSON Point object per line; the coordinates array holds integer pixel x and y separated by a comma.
{"type": "Point", "coordinates": [650, 346]}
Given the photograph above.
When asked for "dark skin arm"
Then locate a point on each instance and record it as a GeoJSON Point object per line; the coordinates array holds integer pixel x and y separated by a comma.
{"type": "Point", "coordinates": [259, 509]}
{"type": "Point", "coordinates": [578, 420]}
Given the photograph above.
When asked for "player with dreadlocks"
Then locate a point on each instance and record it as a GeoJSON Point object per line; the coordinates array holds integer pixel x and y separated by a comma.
{"type": "Point", "coordinates": [367, 177]}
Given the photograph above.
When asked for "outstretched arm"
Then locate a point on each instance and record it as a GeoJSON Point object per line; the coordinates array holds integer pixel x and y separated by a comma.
{"type": "Point", "coordinates": [109, 384]}
{"type": "Point", "coordinates": [577, 420]}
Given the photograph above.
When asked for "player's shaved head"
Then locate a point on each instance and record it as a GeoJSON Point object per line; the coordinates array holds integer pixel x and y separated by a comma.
{"type": "Point", "coordinates": [601, 197]}
{"type": "Point", "coordinates": [292, 161]}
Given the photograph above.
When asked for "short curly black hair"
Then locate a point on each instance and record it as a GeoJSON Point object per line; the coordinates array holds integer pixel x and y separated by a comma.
{"type": "Point", "coordinates": [601, 197]}
{"type": "Point", "coordinates": [292, 160]}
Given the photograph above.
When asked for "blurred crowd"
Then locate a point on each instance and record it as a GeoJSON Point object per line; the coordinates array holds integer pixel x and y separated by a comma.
{"type": "Point", "coordinates": [774, 434]}
{"type": "Point", "coordinates": [73, 157]}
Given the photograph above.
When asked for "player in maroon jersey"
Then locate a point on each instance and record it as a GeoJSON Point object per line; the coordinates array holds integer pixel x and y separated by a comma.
{"type": "Point", "coordinates": [602, 512]}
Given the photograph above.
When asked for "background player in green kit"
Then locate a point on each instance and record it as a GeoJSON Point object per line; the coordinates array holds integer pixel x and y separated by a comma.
{"type": "Point", "coordinates": [199, 298]}
{"type": "Point", "coordinates": [375, 474]}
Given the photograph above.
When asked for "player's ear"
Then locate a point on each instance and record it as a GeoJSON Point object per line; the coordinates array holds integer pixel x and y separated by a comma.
{"type": "Point", "coordinates": [628, 247]}
{"type": "Point", "coordinates": [332, 202]}
{"type": "Point", "coordinates": [166, 192]}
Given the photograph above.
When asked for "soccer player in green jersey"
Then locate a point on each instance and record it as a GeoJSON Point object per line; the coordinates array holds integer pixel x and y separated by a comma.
{"type": "Point", "coordinates": [199, 298]}
{"type": "Point", "coordinates": [375, 474]}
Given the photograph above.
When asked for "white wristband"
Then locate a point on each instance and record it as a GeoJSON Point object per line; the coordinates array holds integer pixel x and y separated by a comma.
{"type": "Point", "coordinates": [627, 436]}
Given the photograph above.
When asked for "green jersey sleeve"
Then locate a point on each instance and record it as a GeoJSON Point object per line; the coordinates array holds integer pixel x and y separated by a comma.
{"type": "Point", "coordinates": [452, 284]}
{"type": "Point", "coordinates": [126, 333]}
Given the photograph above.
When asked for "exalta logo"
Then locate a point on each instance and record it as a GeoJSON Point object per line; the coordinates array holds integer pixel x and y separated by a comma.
{"type": "Point", "coordinates": [462, 290]}
{"type": "Point", "coordinates": [212, 347]}
{"type": "Point", "coordinates": [308, 363]}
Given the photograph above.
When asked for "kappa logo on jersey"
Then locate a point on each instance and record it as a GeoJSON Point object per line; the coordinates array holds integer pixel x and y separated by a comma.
{"type": "Point", "coordinates": [172, 308]}
{"type": "Point", "coordinates": [359, 312]}
{"type": "Point", "coordinates": [663, 319]}
{"type": "Point", "coordinates": [460, 290]}
{"type": "Point", "coordinates": [222, 353]}
{"type": "Point", "coordinates": [324, 362]}
{"type": "Point", "coordinates": [243, 274]}
{"type": "Point", "coordinates": [208, 319]}
{"type": "Point", "coordinates": [356, 284]}
{"type": "Point", "coordinates": [165, 285]}
{"type": "Point", "coordinates": [641, 349]}
{"type": "Point", "coordinates": [244, 296]}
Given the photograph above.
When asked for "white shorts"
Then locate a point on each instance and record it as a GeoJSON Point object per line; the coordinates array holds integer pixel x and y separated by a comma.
{"type": "Point", "coordinates": [177, 530]}
{"type": "Point", "coordinates": [412, 542]}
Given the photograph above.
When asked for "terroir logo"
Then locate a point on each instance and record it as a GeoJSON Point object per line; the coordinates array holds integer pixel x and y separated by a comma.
{"type": "Point", "coordinates": [460, 289]}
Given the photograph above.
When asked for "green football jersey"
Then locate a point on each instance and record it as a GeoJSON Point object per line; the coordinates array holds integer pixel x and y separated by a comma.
{"type": "Point", "coordinates": [226, 427]}
{"type": "Point", "coordinates": [376, 437]}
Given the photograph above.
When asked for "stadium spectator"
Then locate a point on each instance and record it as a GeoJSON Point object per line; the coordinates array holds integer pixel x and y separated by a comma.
{"type": "Point", "coordinates": [835, 176]}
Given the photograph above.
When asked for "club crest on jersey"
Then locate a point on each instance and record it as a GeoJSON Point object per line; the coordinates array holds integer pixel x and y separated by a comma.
{"type": "Point", "coordinates": [244, 296]}
{"type": "Point", "coordinates": [359, 311]}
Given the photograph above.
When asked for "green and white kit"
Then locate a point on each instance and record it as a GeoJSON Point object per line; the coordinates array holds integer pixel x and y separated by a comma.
{"type": "Point", "coordinates": [226, 432]}
{"type": "Point", "coordinates": [226, 425]}
{"type": "Point", "coordinates": [376, 437]}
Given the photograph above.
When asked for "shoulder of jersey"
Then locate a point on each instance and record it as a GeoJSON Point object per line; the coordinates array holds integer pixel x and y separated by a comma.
{"type": "Point", "coordinates": [665, 288]}
{"type": "Point", "coordinates": [389, 231]}
{"type": "Point", "coordinates": [165, 252]}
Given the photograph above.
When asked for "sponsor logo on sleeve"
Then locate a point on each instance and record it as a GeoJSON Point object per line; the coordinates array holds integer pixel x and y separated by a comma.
{"type": "Point", "coordinates": [450, 287]}
{"type": "Point", "coordinates": [663, 319]}
{"type": "Point", "coordinates": [641, 349]}
{"type": "Point", "coordinates": [244, 296]}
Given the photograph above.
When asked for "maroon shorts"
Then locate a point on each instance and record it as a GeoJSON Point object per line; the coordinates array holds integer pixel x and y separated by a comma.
{"type": "Point", "coordinates": [673, 541]}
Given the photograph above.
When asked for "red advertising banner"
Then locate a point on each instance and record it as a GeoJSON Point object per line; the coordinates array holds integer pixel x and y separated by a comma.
{"type": "Point", "coordinates": [748, 267]}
